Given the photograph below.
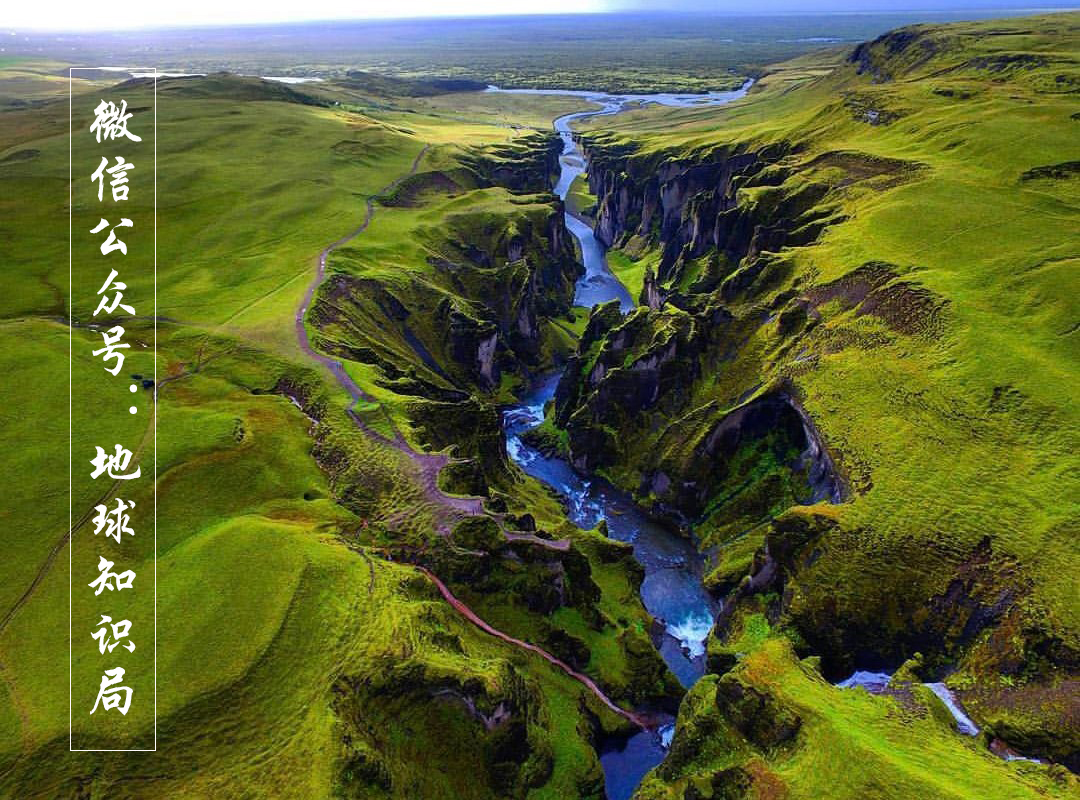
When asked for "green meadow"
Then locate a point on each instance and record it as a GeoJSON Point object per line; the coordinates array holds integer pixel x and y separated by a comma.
{"type": "Point", "coordinates": [276, 622]}
{"type": "Point", "coordinates": [941, 156]}
{"type": "Point", "coordinates": [900, 263]}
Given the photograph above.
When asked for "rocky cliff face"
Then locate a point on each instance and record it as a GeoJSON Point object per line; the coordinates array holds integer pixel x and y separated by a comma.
{"type": "Point", "coordinates": [691, 207]}
{"type": "Point", "coordinates": [624, 368]}
{"type": "Point", "coordinates": [487, 268]}
{"type": "Point", "coordinates": [523, 165]}
{"type": "Point", "coordinates": [718, 223]}
{"type": "Point", "coordinates": [507, 275]}
{"type": "Point", "coordinates": [494, 275]}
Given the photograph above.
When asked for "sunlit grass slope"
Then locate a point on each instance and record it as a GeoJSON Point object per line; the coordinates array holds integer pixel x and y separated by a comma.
{"type": "Point", "coordinates": [946, 157]}
{"type": "Point", "coordinates": [291, 664]}
{"type": "Point", "coordinates": [771, 727]}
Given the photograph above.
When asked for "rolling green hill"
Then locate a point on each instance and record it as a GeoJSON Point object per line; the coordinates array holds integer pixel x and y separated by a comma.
{"type": "Point", "coordinates": [861, 282]}
{"type": "Point", "coordinates": [851, 377]}
{"type": "Point", "coordinates": [297, 659]}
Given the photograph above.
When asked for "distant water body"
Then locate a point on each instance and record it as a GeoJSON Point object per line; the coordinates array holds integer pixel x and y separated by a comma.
{"type": "Point", "coordinates": [146, 74]}
{"type": "Point", "coordinates": [614, 102]}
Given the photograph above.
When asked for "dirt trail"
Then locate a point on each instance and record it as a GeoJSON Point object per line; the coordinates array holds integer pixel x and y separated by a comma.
{"type": "Point", "coordinates": [427, 465]}
{"type": "Point", "coordinates": [585, 680]}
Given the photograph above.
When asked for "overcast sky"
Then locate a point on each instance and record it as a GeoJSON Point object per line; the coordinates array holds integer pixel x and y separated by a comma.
{"type": "Point", "coordinates": [70, 15]}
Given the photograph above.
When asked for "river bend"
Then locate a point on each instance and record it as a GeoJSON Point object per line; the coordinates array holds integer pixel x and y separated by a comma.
{"type": "Point", "coordinates": [672, 592]}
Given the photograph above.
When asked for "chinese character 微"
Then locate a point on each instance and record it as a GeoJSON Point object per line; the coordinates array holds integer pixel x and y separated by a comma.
{"type": "Point", "coordinates": [111, 122]}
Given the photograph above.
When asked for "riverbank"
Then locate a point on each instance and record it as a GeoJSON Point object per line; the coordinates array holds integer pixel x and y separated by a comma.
{"type": "Point", "coordinates": [672, 591]}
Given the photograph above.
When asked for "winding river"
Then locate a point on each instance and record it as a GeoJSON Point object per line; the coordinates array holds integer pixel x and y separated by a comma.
{"type": "Point", "coordinates": [672, 591]}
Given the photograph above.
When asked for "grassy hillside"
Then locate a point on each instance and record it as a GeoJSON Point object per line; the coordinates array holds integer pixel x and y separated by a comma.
{"type": "Point", "coordinates": [771, 727]}
{"type": "Point", "coordinates": [888, 241]}
{"type": "Point", "coordinates": [296, 659]}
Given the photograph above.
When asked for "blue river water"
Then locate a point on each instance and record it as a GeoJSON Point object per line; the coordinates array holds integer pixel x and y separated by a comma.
{"type": "Point", "coordinates": [672, 591]}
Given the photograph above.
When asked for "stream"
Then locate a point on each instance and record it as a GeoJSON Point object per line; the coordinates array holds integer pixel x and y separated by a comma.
{"type": "Point", "coordinates": [672, 591]}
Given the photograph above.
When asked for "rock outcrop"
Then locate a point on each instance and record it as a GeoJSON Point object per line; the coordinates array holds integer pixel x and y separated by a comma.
{"type": "Point", "coordinates": [691, 206]}
{"type": "Point", "coordinates": [633, 399]}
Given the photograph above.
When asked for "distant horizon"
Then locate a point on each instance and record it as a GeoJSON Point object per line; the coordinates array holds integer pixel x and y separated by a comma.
{"type": "Point", "coordinates": [529, 9]}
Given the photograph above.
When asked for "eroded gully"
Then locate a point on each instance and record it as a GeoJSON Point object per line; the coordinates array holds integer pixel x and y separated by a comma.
{"type": "Point", "coordinates": [672, 591]}
{"type": "Point", "coordinates": [428, 465]}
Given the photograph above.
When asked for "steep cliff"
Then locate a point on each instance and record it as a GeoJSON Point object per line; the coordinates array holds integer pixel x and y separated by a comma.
{"type": "Point", "coordinates": [838, 379]}
{"type": "Point", "coordinates": [458, 306]}
{"type": "Point", "coordinates": [497, 260]}
{"type": "Point", "coordinates": [714, 227]}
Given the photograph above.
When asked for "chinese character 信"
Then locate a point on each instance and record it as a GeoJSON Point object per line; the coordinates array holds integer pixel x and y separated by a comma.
{"type": "Point", "coordinates": [113, 581]}
{"type": "Point", "coordinates": [112, 242]}
{"type": "Point", "coordinates": [113, 522]}
{"type": "Point", "coordinates": [111, 122]}
{"type": "Point", "coordinates": [120, 630]}
{"type": "Point", "coordinates": [114, 465]}
{"type": "Point", "coordinates": [119, 180]}
{"type": "Point", "coordinates": [112, 348]}
{"type": "Point", "coordinates": [111, 284]}
{"type": "Point", "coordinates": [112, 696]}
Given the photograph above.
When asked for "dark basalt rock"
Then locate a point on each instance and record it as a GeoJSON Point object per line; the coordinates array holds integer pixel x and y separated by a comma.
{"type": "Point", "coordinates": [679, 203]}
{"type": "Point", "coordinates": [640, 362]}
{"type": "Point", "coordinates": [733, 783]}
{"type": "Point", "coordinates": [472, 343]}
{"type": "Point", "coordinates": [496, 277]}
{"type": "Point", "coordinates": [524, 165]}
{"type": "Point", "coordinates": [628, 370]}
{"type": "Point", "coordinates": [755, 713]}
{"type": "Point", "coordinates": [651, 293]}
{"type": "Point", "coordinates": [779, 412]}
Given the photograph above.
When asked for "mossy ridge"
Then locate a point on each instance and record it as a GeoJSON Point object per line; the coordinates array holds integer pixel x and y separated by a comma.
{"type": "Point", "coordinates": [269, 713]}
{"type": "Point", "coordinates": [432, 281]}
{"type": "Point", "coordinates": [451, 299]}
{"type": "Point", "coordinates": [770, 725]}
{"type": "Point", "coordinates": [812, 222]}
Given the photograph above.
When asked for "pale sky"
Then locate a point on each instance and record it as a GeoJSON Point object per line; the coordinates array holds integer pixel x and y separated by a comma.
{"type": "Point", "coordinates": [77, 15]}
{"type": "Point", "coordinates": [73, 15]}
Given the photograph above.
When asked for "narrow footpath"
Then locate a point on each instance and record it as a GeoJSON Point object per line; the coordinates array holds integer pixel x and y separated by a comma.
{"type": "Point", "coordinates": [428, 465]}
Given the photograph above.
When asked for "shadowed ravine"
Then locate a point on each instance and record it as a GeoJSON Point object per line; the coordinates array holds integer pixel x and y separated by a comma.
{"type": "Point", "coordinates": [672, 591]}
{"type": "Point", "coordinates": [638, 719]}
{"type": "Point", "coordinates": [428, 465]}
